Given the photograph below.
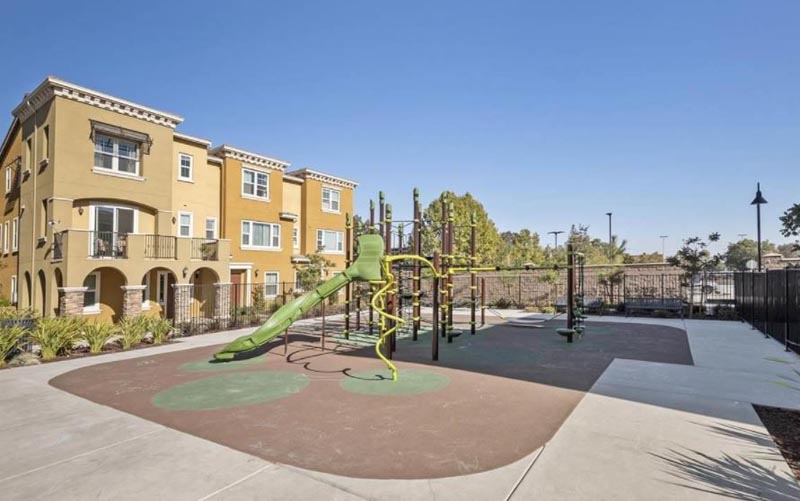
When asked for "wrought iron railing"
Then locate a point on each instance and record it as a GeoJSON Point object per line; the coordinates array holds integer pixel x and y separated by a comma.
{"type": "Point", "coordinates": [160, 247]}
{"type": "Point", "coordinates": [205, 249]}
{"type": "Point", "coordinates": [108, 244]}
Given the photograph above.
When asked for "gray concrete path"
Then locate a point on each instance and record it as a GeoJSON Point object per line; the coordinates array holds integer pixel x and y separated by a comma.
{"type": "Point", "coordinates": [646, 431]}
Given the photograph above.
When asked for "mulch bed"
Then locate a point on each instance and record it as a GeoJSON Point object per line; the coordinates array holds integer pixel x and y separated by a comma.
{"type": "Point", "coordinates": [784, 427]}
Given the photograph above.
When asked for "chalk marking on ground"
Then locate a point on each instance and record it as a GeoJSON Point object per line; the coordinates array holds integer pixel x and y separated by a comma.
{"type": "Point", "coordinates": [40, 468]}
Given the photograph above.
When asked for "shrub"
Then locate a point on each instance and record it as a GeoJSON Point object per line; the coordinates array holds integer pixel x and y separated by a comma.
{"type": "Point", "coordinates": [502, 303]}
{"type": "Point", "coordinates": [132, 330]}
{"type": "Point", "coordinates": [11, 313]}
{"type": "Point", "coordinates": [9, 339]}
{"type": "Point", "coordinates": [160, 329]}
{"type": "Point", "coordinates": [55, 335]}
{"type": "Point", "coordinates": [549, 309]}
{"type": "Point", "coordinates": [97, 335]}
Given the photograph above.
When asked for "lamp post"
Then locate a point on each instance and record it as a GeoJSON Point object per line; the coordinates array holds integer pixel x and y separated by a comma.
{"type": "Point", "coordinates": [555, 234]}
{"type": "Point", "coordinates": [609, 214]}
{"type": "Point", "coordinates": [663, 247]}
{"type": "Point", "coordinates": [758, 201]}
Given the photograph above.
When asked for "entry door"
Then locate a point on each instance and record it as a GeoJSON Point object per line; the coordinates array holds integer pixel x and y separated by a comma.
{"type": "Point", "coordinates": [111, 228]}
{"type": "Point", "coordinates": [236, 287]}
{"type": "Point", "coordinates": [165, 294]}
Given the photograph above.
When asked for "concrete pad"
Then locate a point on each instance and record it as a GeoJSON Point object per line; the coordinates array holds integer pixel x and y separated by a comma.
{"type": "Point", "coordinates": [493, 484]}
{"type": "Point", "coordinates": [281, 483]}
{"type": "Point", "coordinates": [601, 454]}
{"type": "Point", "coordinates": [162, 465]}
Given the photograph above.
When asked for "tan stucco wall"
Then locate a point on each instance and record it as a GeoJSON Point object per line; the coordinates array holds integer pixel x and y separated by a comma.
{"type": "Point", "coordinates": [293, 202]}
{"type": "Point", "coordinates": [237, 208]}
{"type": "Point", "coordinates": [9, 262]}
{"type": "Point", "coordinates": [317, 219]}
{"type": "Point", "coordinates": [201, 196]}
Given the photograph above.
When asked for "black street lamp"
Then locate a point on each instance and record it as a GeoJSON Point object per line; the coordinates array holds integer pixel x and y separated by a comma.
{"type": "Point", "coordinates": [609, 214]}
{"type": "Point", "coordinates": [555, 234]}
{"type": "Point", "coordinates": [758, 201]}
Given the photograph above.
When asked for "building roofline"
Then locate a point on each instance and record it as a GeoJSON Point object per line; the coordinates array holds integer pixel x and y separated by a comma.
{"type": "Point", "coordinates": [214, 159]}
{"type": "Point", "coordinates": [52, 86]}
{"type": "Point", "coordinates": [227, 151]}
{"type": "Point", "coordinates": [294, 179]}
{"type": "Point", "coordinates": [7, 137]}
{"type": "Point", "coordinates": [325, 178]}
{"type": "Point", "coordinates": [192, 139]}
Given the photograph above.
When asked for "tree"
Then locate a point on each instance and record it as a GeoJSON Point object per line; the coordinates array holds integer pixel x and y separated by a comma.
{"type": "Point", "coordinates": [693, 258]}
{"type": "Point", "coordinates": [644, 258]}
{"type": "Point", "coordinates": [310, 275]}
{"type": "Point", "coordinates": [521, 248]}
{"type": "Point", "coordinates": [791, 223]}
{"type": "Point", "coordinates": [595, 250]}
{"type": "Point", "coordinates": [488, 241]}
{"type": "Point", "coordinates": [789, 250]}
{"type": "Point", "coordinates": [739, 253]}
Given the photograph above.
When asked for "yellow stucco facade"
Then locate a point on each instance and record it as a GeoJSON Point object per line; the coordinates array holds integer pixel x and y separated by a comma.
{"type": "Point", "coordinates": [117, 213]}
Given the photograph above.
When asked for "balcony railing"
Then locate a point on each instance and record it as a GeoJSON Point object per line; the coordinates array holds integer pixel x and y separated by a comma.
{"type": "Point", "coordinates": [83, 244]}
{"type": "Point", "coordinates": [206, 250]}
{"type": "Point", "coordinates": [108, 244]}
{"type": "Point", "coordinates": [160, 247]}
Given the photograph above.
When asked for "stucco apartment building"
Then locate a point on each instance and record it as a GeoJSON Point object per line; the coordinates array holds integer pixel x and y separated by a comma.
{"type": "Point", "coordinates": [110, 211]}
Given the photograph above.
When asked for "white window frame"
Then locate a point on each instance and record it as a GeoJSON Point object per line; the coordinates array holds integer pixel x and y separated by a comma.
{"type": "Point", "coordinates": [180, 224]}
{"type": "Point", "coordinates": [208, 220]}
{"type": "Point", "coordinates": [15, 234]}
{"type": "Point", "coordinates": [14, 296]}
{"type": "Point", "coordinates": [321, 241]}
{"type": "Point", "coordinates": [297, 286]}
{"type": "Point", "coordinates": [5, 237]}
{"type": "Point", "coordinates": [181, 177]}
{"type": "Point", "coordinates": [254, 195]}
{"type": "Point", "coordinates": [115, 156]}
{"type": "Point", "coordinates": [9, 179]}
{"type": "Point", "coordinates": [93, 308]}
{"type": "Point", "coordinates": [146, 292]}
{"type": "Point", "coordinates": [276, 284]}
{"type": "Point", "coordinates": [295, 237]}
{"type": "Point", "coordinates": [330, 207]}
{"type": "Point", "coordinates": [274, 230]}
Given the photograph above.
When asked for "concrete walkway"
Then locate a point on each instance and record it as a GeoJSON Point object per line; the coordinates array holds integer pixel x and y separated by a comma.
{"type": "Point", "coordinates": [645, 431]}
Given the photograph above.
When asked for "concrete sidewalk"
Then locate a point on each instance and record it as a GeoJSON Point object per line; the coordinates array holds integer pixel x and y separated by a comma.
{"type": "Point", "coordinates": [645, 431]}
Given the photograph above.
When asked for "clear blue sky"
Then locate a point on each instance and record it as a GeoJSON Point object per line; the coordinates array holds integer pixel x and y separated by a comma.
{"type": "Point", "coordinates": [551, 113]}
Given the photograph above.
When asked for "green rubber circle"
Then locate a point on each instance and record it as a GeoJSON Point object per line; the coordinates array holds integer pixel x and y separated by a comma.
{"type": "Point", "coordinates": [210, 365]}
{"type": "Point", "coordinates": [379, 382]}
{"type": "Point", "coordinates": [230, 390]}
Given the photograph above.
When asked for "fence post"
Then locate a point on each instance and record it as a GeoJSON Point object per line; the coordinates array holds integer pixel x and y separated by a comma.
{"type": "Point", "coordinates": [766, 303]}
{"type": "Point", "coordinates": [786, 310]}
{"type": "Point", "coordinates": [753, 299]}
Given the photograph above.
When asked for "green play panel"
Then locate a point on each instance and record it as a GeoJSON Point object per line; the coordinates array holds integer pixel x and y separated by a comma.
{"type": "Point", "coordinates": [230, 390]}
{"type": "Point", "coordinates": [379, 382]}
{"type": "Point", "coordinates": [209, 364]}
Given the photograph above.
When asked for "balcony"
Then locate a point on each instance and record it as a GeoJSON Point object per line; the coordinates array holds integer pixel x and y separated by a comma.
{"type": "Point", "coordinates": [84, 244]}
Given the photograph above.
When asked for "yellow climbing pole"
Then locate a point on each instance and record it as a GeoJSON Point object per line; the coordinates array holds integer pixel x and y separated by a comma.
{"type": "Point", "coordinates": [389, 284]}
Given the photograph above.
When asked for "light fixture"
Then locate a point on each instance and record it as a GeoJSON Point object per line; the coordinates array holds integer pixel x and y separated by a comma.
{"type": "Point", "coordinates": [758, 201]}
{"type": "Point", "coordinates": [256, 272]}
{"type": "Point", "coordinates": [173, 219]}
{"type": "Point", "coordinates": [80, 210]}
{"type": "Point", "coordinates": [185, 271]}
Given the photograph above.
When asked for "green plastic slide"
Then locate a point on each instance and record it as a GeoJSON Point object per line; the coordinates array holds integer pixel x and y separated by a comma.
{"type": "Point", "coordinates": [367, 267]}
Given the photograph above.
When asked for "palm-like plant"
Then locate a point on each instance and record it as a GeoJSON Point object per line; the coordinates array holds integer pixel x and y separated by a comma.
{"type": "Point", "coordinates": [98, 334]}
{"type": "Point", "coordinates": [132, 330]}
{"type": "Point", "coordinates": [56, 335]}
{"type": "Point", "coordinates": [9, 340]}
{"type": "Point", "coordinates": [160, 328]}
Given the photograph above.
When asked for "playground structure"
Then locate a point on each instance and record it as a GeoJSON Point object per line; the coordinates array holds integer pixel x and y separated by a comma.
{"type": "Point", "coordinates": [378, 255]}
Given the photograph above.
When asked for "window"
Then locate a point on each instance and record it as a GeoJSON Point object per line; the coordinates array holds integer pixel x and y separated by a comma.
{"type": "Point", "coordinates": [331, 199]}
{"type": "Point", "coordinates": [5, 237]}
{"type": "Point", "coordinates": [13, 289]}
{"type": "Point", "coordinates": [15, 234]}
{"type": "Point", "coordinates": [330, 242]}
{"type": "Point", "coordinates": [46, 142]}
{"type": "Point", "coordinates": [295, 238]}
{"type": "Point", "coordinates": [28, 153]}
{"type": "Point", "coordinates": [9, 178]}
{"type": "Point", "coordinates": [117, 155]}
{"type": "Point", "coordinates": [185, 167]}
{"type": "Point", "coordinates": [255, 184]}
{"type": "Point", "coordinates": [211, 228]}
{"type": "Point", "coordinates": [298, 286]}
{"type": "Point", "coordinates": [184, 224]}
{"type": "Point", "coordinates": [261, 235]}
{"type": "Point", "coordinates": [162, 290]}
{"type": "Point", "coordinates": [91, 296]}
{"type": "Point", "coordinates": [271, 283]}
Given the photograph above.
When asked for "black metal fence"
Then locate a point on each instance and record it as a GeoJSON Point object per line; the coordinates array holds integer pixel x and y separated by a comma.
{"type": "Point", "coordinates": [770, 302]}
{"type": "Point", "coordinates": [210, 307]}
{"type": "Point", "coordinates": [160, 247]}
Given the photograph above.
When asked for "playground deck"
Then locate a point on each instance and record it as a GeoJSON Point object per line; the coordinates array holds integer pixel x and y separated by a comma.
{"type": "Point", "coordinates": [491, 400]}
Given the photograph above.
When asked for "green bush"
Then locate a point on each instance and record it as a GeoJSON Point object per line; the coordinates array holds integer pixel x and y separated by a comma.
{"type": "Point", "coordinates": [11, 313]}
{"type": "Point", "coordinates": [160, 328]}
{"type": "Point", "coordinates": [503, 303]}
{"type": "Point", "coordinates": [56, 335]}
{"type": "Point", "coordinates": [9, 339]}
{"type": "Point", "coordinates": [98, 334]}
{"type": "Point", "coordinates": [132, 330]}
{"type": "Point", "coordinates": [548, 309]}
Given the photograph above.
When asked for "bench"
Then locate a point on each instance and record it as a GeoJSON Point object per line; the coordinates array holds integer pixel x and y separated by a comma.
{"type": "Point", "coordinates": [634, 304]}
